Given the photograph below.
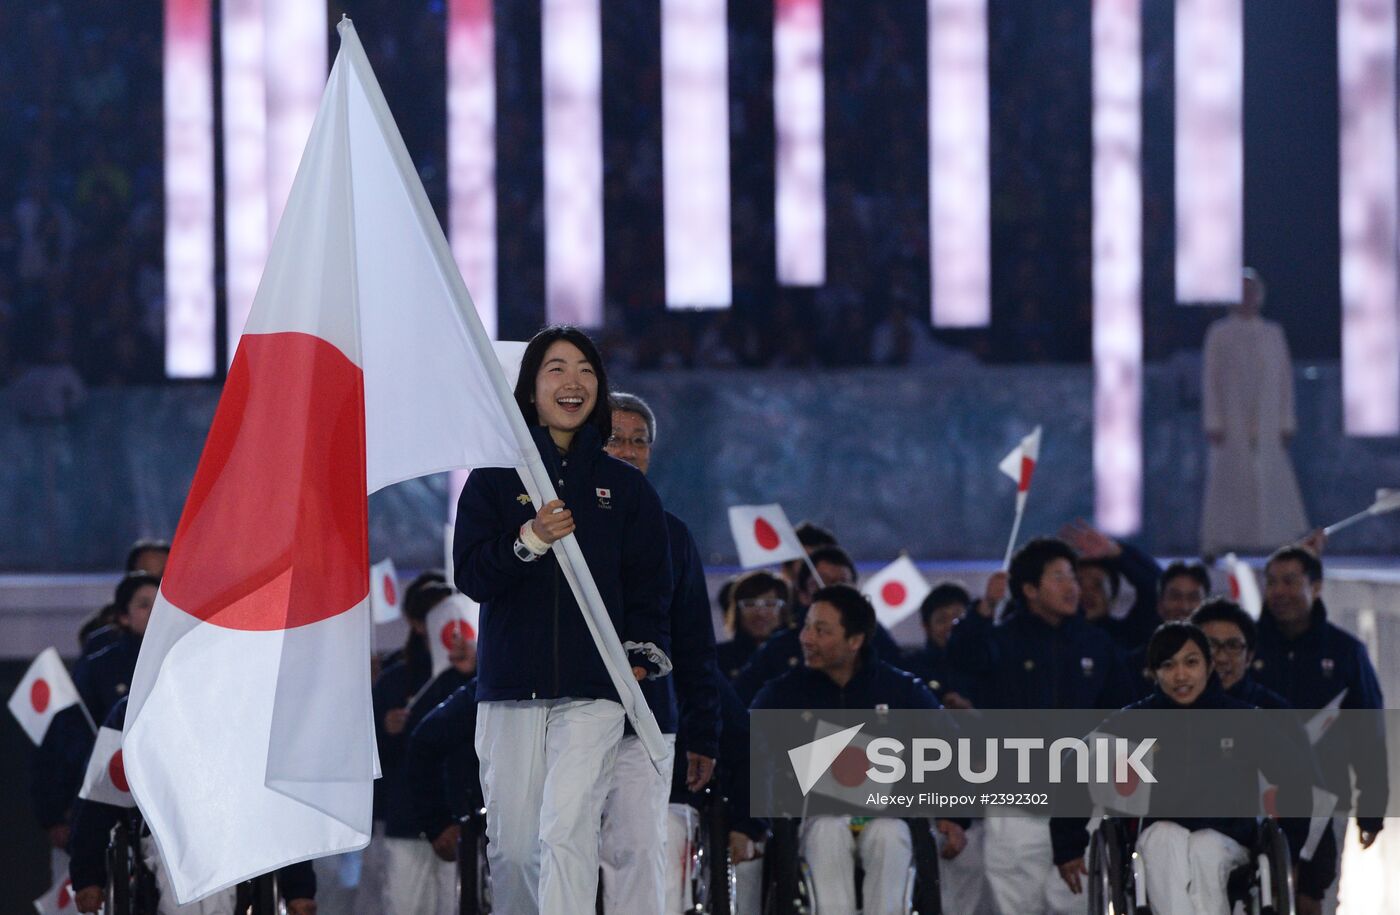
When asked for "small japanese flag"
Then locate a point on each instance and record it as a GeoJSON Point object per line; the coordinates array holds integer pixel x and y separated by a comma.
{"type": "Point", "coordinates": [105, 781]}
{"type": "Point", "coordinates": [896, 591]}
{"type": "Point", "coordinates": [384, 591]}
{"type": "Point", "coordinates": [45, 691]}
{"type": "Point", "coordinates": [456, 615]}
{"type": "Point", "coordinates": [1321, 722]}
{"type": "Point", "coordinates": [763, 535]}
{"type": "Point", "coordinates": [58, 900]}
{"type": "Point", "coordinates": [1244, 587]}
{"type": "Point", "coordinates": [1019, 465]}
{"type": "Point", "coordinates": [1114, 785]}
{"type": "Point", "coordinates": [846, 757]}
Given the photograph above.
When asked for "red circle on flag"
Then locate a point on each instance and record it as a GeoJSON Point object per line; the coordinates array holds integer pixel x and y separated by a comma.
{"type": "Point", "coordinates": [39, 695]}
{"type": "Point", "coordinates": [1129, 784]}
{"type": "Point", "coordinates": [1271, 800]}
{"type": "Point", "coordinates": [849, 768]}
{"type": "Point", "coordinates": [64, 893]}
{"type": "Point", "coordinates": [455, 626]}
{"type": "Point", "coordinates": [117, 772]}
{"type": "Point", "coordinates": [765, 535]}
{"type": "Point", "coordinates": [391, 593]}
{"type": "Point", "coordinates": [893, 593]}
{"type": "Point", "coordinates": [274, 534]}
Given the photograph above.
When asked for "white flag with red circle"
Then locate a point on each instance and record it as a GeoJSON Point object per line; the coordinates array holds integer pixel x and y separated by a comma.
{"type": "Point", "coordinates": [1244, 585]}
{"type": "Point", "coordinates": [45, 690]}
{"type": "Point", "coordinates": [844, 776]}
{"type": "Point", "coordinates": [1113, 784]}
{"type": "Point", "coordinates": [763, 535]}
{"type": "Point", "coordinates": [384, 592]}
{"type": "Point", "coordinates": [1019, 465]}
{"type": "Point", "coordinates": [454, 617]}
{"type": "Point", "coordinates": [896, 591]}
{"type": "Point", "coordinates": [58, 900]}
{"type": "Point", "coordinates": [105, 781]}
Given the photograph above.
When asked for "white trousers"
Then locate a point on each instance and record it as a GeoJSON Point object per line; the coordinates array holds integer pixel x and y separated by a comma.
{"type": "Point", "coordinates": [221, 903]}
{"type": "Point", "coordinates": [1020, 867]}
{"type": "Point", "coordinates": [416, 880]}
{"type": "Point", "coordinates": [633, 850]}
{"type": "Point", "coordinates": [369, 889]}
{"type": "Point", "coordinates": [963, 880]}
{"type": "Point", "coordinates": [831, 849]}
{"type": "Point", "coordinates": [544, 766]}
{"type": "Point", "coordinates": [681, 821]}
{"type": "Point", "coordinates": [1187, 869]}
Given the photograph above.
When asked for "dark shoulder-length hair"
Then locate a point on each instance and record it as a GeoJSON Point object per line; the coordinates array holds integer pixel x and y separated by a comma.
{"type": "Point", "coordinates": [601, 417]}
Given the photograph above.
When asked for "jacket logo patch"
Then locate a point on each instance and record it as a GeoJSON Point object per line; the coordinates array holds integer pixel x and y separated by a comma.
{"type": "Point", "coordinates": [1328, 665]}
{"type": "Point", "coordinates": [523, 499]}
{"type": "Point", "coordinates": [1087, 665]}
{"type": "Point", "coordinates": [604, 497]}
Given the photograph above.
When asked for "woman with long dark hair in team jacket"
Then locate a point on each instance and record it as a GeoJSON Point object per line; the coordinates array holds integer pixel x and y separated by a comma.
{"type": "Point", "coordinates": [549, 718]}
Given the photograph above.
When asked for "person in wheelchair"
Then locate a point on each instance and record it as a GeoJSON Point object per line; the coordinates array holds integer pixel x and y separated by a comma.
{"type": "Point", "coordinates": [94, 821]}
{"type": "Point", "coordinates": [840, 670]}
{"type": "Point", "coordinates": [1188, 860]}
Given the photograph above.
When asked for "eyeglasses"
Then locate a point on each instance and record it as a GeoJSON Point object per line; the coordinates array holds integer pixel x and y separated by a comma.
{"type": "Point", "coordinates": [1228, 647]}
{"type": "Point", "coordinates": [762, 603]}
{"type": "Point", "coordinates": [641, 444]}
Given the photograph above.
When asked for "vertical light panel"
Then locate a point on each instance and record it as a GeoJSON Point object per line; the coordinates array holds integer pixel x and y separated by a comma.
{"type": "Point", "coordinates": [800, 133]}
{"type": "Point", "coordinates": [189, 190]}
{"type": "Point", "coordinates": [1366, 54]}
{"type": "Point", "coordinates": [471, 151]}
{"type": "Point", "coordinates": [573, 161]}
{"type": "Point", "coordinates": [1209, 150]}
{"type": "Point", "coordinates": [296, 36]}
{"type": "Point", "coordinates": [695, 152]}
{"type": "Point", "coordinates": [245, 159]}
{"type": "Point", "coordinates": [1117, 269]}
{"type": "Point", "coordinates": [959, 164]}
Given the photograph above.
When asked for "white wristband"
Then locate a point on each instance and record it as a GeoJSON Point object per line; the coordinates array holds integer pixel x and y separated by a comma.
{"type": "Point", "coordinates": [532, 541]}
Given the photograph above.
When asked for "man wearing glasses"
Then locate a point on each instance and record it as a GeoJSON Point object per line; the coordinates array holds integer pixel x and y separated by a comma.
{"type": "Point", "coordinates": [633, 843]}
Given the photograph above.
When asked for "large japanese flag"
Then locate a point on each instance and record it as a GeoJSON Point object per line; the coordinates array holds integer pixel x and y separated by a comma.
{"type": "Point", "coordinates": [249, 738]}
{"type": "Point", "coordinates": [1019, 465]}
{"type": "Point", "coordinates": [896, 591]}
{"type": "Point", "coordinates": [45, 690]}
{"type": "Point", "coordinates": [455, 616]}
{"type": "Point", "coordinates": [105, 781]}
{"type": "Point", "coordinates": [763, 535]}
{"type": "Point", "coordinates": [384, 591]}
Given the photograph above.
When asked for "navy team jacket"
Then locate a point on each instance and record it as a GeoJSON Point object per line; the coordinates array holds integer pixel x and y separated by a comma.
{"type": "Point", "coordinates": [688, 700]}
{"type": "Point", "coordinates": [441, 768]}
{"type": "Point", "coordinates": [1310, 671]}
{"type": "Point", "coordinates": [1022, 662]}
{"type": "Point", "coordinates": [534, 643]}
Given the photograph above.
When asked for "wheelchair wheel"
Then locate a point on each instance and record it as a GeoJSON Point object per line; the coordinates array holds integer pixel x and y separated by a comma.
{"type": "Point", "coordinates": [1275, 871]}
{"type": "Point", "coordinates": [1109, 884]}
{"type": "Point", "coordinates": [714, 884]}
{"type": "Point", "coordinates": [787, 886]}
{"type": "Point", "coordinates": [119, 871]}
{"type": "Point", "coordinates": [925, 893]}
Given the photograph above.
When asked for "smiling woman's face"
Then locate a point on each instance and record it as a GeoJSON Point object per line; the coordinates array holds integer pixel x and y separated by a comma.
{"type": "Point", "coordinates": [1183, 676]}
{"type": "Point", "coordinates": [566, 390]}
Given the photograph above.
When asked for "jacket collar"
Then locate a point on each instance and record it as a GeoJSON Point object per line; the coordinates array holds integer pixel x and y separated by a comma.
{"type": "Point", "coordinates": [586, 445]}
{"type": "Point", "coordinates": [1316, 623]}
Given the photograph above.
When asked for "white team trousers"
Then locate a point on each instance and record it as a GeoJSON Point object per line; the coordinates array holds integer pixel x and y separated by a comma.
{"type": "Point", "coordinates": [1187, 869]}
{"type": "Point", "coordinates": [221, 903]}
{"type": "Point", "coordinates": [634, 848]}
{"type": "Point", "coordinates": [416, 880]}
{"type": "Point", "coordinates": [831, 849]}
{"type": "Point", "coordinates": [544, 766]}
{"type": "Point", "coordinates": [963, 880]}
{"type": "Point", "coordinates": [1020, 867]}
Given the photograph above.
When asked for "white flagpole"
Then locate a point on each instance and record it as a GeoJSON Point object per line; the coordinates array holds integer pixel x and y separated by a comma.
{"type": "Point", "coordinates": [1015, 529]}
{"type": "Point", "coordinates": [1387, 500]}
{"type": "Point", "coordinates": [534, 475]}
